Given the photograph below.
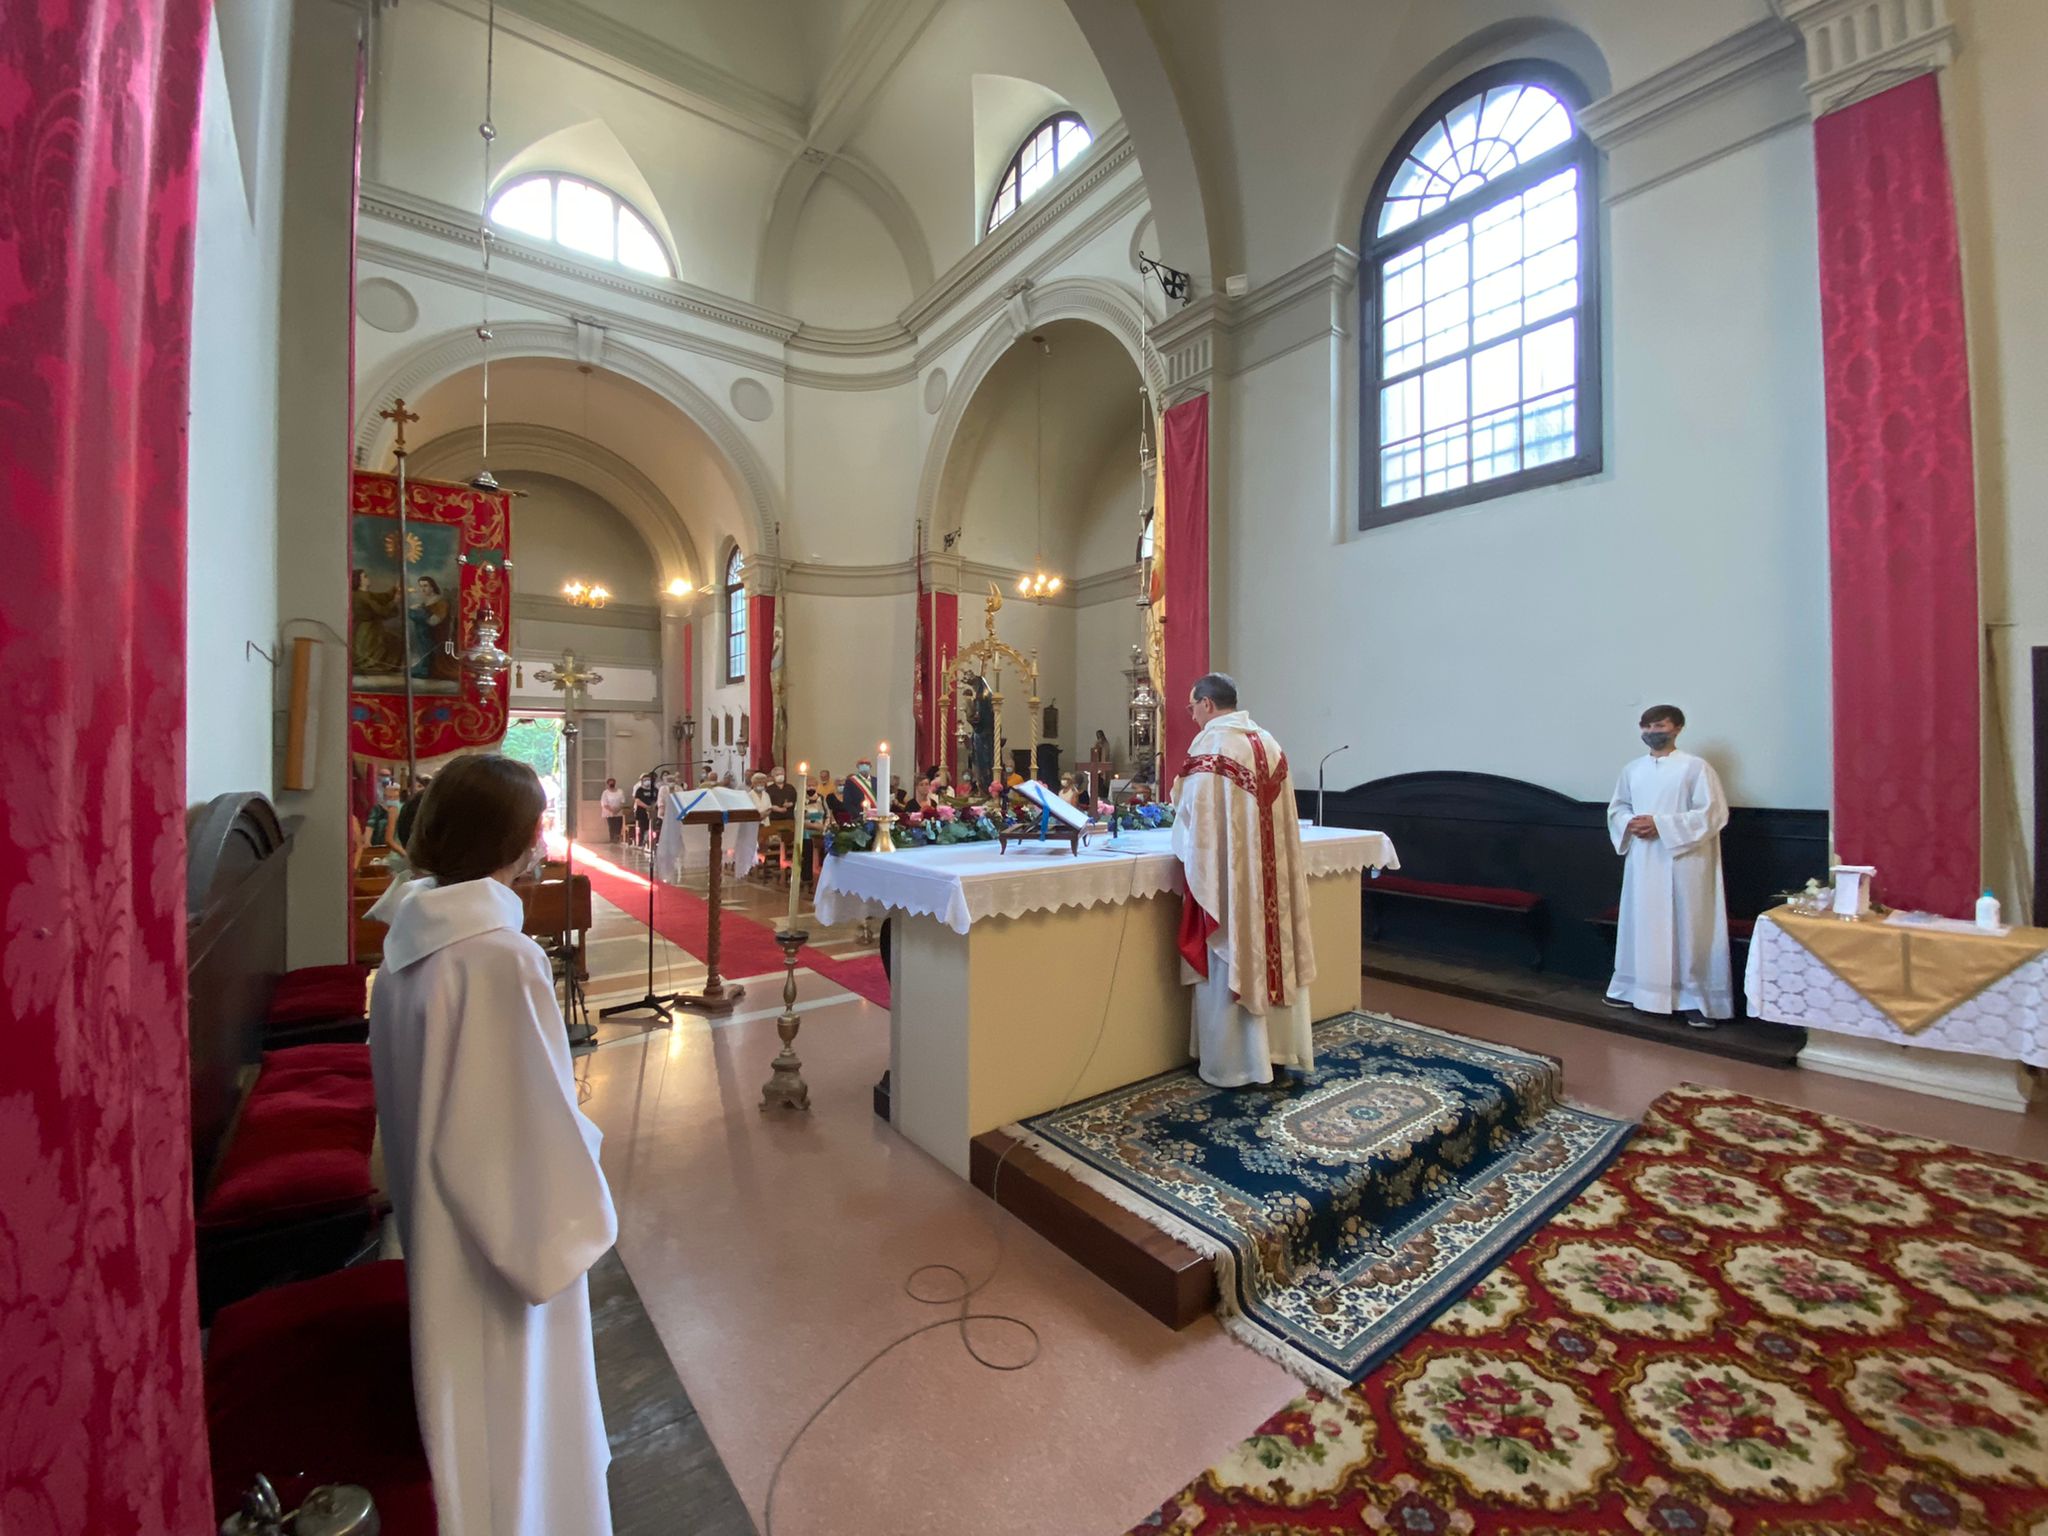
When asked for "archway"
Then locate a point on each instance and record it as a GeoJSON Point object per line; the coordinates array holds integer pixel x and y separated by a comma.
{"type": "Point", "coordinates": [1043, 473]}
{"type": "Point", "coordinates": [440, 358]}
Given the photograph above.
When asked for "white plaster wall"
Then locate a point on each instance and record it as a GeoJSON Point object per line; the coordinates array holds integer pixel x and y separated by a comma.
{"type": "Point", "coordinates": [850, 683]}
{"type": "Point", "coordinates": [1103, 636]}
{"type": "Point", "coordinates": [1997, 114]}
{"type": "Point", "coordinates": [232, 505]}
{"type": "Point", "coordinates": [1522, 636]}
{"type": "Point", "coordinates": [563, 532]}
{"type": "Point", "coordinates": [853, 468]}
{"type": "Point", "coordinates": [312, 418]}
{"type": "Point", "coordinates": [844, 268]}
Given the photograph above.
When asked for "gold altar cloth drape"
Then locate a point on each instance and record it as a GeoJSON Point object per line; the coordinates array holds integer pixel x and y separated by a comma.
{"type": "Point", "coordinates": [1912, 975]}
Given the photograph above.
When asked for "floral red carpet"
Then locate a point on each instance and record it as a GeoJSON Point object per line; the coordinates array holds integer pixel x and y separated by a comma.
{"type": "Point", "coordinates": [1760, 1321]}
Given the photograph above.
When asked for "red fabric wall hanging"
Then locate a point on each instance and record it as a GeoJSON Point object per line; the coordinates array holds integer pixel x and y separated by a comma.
{"type": "Point", "coordinates": [102, 1424]}
{"type": "Point", "coordinates": [1902, 520]}
{"type": "Point", "coordinates": [458, 538]}
{"type": "Point", "coordinates": [760, 684]}
{"type": "Point", "coordinates": [1186, 451]}
{"type": "Point", "coordinates": [945, 703]}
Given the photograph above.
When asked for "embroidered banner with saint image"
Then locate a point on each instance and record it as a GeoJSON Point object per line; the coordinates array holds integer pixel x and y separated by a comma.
{"type": "Point", "coordinates": [421, 611]}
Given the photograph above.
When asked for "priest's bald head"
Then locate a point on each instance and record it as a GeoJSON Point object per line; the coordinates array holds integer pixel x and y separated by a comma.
{"type": "Point", "coordinates": [1214, 693]}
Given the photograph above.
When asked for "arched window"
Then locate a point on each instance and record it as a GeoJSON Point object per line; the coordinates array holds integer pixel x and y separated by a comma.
{"type": "Point", "coordinates": [1480, 294]}
{"type": "Point", "coordinates": [735, 621]}
{"type": "Point", "coordinates": [582, 217]}
{"type": "Point", "coordinates": [1047, 150]}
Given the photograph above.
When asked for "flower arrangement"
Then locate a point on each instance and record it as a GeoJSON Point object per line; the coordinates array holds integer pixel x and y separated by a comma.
{"type": "Point", "coordinates": [975, 818]}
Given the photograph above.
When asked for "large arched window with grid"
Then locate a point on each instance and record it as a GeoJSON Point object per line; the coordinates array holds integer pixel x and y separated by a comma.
{"type": "Point", "coordinates": [1480, 291]}
{"type": "Point", "coordinates": [1047, 150]}
{"type": "Point", "coordinates": [583, 217]}
{"type": "Point", "coordinates": [735, 620]}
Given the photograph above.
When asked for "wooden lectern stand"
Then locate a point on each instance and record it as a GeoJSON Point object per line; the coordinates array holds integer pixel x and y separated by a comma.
{"type": "Point", "coordinates": [716, 997]}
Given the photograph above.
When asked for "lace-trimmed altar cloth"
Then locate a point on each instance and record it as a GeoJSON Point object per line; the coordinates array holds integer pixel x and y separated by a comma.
{"type": "Point", "coordinates": [972, 882]}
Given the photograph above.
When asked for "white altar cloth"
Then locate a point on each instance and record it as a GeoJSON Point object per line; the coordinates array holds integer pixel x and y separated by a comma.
{"type": "Point", "coordinates": [972, 882]}
{"type": "Point", "coordinates": [1788, 984]}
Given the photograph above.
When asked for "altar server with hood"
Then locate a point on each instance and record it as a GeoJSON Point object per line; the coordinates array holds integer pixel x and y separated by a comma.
{"type": "Point", "coordinates": [1244, 930]}
{"type": "Point", "coordinates": [493, 1171]}
{"type": "Point", "coordinates": [1671, 950]}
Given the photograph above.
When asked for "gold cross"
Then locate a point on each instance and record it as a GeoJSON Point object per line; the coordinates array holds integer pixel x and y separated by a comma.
{"type": "Point", "coordinates": [568, 676]}
{"type": "Point", "coordinates": [401, 415]}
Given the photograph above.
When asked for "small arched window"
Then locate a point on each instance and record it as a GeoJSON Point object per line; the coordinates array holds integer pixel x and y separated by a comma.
{"type": "Point", "coordinates": [582, 217]}
{"type": "Point", "coordinates": [1047, 150]}
{"type": "Point", "coordinates": [735, 620]}
{"type": "Point", "coordinates": [1481, 300]}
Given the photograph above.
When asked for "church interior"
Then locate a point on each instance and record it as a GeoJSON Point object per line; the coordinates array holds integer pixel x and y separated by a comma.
{"type": "Point", "coordinates": [1269, 768]}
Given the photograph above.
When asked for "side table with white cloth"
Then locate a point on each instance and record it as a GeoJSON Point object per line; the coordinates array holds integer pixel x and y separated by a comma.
{"type": "Point", "coordinates": [1020, 981]}
{"type": "Point", "coordinates": [1935, 1006]}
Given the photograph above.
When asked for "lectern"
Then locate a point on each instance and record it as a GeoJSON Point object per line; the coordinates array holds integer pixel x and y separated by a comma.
{"type": "Point", "coordinates": [716, 997]}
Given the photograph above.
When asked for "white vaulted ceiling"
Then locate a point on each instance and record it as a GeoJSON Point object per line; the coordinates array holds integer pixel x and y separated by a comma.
{"type": "Point", "coordinates": [776, 140]}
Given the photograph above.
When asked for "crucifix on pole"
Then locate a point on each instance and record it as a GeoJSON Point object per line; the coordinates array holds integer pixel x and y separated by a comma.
{"type": "Point", "coordinates": [570, 678]}
{"type": "Point", "coordinates": [397, 414]}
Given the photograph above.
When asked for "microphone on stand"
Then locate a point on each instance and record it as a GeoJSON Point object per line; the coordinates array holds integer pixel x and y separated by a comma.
{"type": "Point", "coordinates": [1319, 781]}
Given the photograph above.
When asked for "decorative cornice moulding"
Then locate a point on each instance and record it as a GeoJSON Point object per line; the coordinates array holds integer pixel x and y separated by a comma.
{"type": "Point", "coordinates": [1690, 83]}
{"type": "Point", "coordinates": [1858, 48]}
{"type": "Point", "coordinates": [614, 615]}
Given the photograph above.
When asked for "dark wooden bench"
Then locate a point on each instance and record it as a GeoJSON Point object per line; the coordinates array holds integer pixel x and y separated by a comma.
{"type": "Point", "coordinates": [1526, 907]}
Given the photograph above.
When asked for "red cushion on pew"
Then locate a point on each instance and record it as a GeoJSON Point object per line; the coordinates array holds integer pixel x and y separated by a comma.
{"type": "Point", "coordinates": [320, 992]}
{"type": "Point", "coordinates": [333, 1060]}
{"type": "Point", "coordinates": [1481, 895]}
{"type": "Point", "coordinates": [311, 1383]}
{"type": "Point", "coordinates": [301, 1148]}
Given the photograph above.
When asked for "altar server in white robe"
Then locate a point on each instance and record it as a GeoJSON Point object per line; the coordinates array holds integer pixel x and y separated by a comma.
{"type": "Point", "coordinates": [493, 1171]}
{"type": "Point", "coordinates": [1671, 951]}
{"type": "Point", "coordinates": [1244, 934]}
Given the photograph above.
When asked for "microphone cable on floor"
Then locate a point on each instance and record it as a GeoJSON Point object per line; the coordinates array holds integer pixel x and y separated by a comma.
{"type": "Point", "coordinates": [967, 1292]}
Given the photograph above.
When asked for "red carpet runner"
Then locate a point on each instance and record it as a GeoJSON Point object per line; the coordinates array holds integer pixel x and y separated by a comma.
{"type": "Point", "coordinates": [747, 948]}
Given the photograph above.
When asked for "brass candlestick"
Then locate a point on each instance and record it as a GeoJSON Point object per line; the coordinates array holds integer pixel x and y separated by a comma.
{"type": "Point", "coordinates": [884, 843]}
{"type": "Point", "coordinates": [786, 1085]}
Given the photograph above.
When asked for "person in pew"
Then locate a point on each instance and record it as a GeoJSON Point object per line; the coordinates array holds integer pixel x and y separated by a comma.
{"type": "Point", "coordinates": [857, 799]}
{"type": "Point", "coordinates": [644, 797]}
{"type": "Point", "coordinates": [1671, 950]}
{"type": "Point", "coordinates": [1244, 919]}
{"type": "Point", "coordinates": [494, 1177]}
{"type": "Point", "coordinates": [613, 804]}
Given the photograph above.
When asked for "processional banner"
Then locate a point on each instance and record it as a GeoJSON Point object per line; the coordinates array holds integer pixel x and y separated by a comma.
{"type": "Point", "coordinates": [421, 605]}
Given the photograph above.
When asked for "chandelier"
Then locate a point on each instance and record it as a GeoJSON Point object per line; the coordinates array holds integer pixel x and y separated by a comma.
{"type": "Point", "coordinates": [585, 594]}
{"type": "Point", "coordinates": [1040, 584]}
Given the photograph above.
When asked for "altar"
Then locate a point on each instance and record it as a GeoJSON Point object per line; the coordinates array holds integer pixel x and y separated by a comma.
{"type": "Point", "coordinates": [1006, 967]}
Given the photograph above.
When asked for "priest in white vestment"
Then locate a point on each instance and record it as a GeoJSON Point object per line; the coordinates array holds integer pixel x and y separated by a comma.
{"type": "Point", "coordinates": [1671, 951]}
{"type": "Point", "coordinates": [494, 1177]}
{"type": "Point", "coordinates": [1244, 935]}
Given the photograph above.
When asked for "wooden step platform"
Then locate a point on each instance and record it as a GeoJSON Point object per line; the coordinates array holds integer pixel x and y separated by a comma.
{"type": "Point", "coordinates": [1168, 1279]}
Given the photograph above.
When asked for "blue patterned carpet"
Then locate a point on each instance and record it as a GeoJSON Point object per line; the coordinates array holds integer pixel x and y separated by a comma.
{"type": "Point", "coordinates": [1346, 1209]}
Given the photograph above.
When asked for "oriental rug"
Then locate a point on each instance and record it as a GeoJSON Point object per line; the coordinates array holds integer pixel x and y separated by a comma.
{"type": "Point", "coordinates": [1347, 1208]}
{"type": "Point", "coordinates": [1760, 1321]}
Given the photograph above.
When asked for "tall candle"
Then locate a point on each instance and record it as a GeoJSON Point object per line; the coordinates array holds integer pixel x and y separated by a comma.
{"type": "Point", "coordinates": [882, 780]}
{"type": "Point", "coordinates": [803, 807]}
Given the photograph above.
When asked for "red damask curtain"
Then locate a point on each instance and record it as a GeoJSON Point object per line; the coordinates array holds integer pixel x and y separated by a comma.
{"type": "Point", "coordinates": [761, 742]}
{"type": "Point", "coordinates": [101, 1420]}
{"type": "Point", "coordinates": [1902, 518]}
{"type": "Point", "coordinates": [1185, 446]}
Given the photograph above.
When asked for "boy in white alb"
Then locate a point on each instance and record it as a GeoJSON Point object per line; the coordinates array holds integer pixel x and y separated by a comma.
{"type": "Point", "coordinates": [1671, 951]}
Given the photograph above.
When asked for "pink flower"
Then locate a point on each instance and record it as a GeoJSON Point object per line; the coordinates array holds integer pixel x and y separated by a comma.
{"type": "Point", "coordinates": [944, 813]}
{"type": "Point", "coordinates": [913, 818]}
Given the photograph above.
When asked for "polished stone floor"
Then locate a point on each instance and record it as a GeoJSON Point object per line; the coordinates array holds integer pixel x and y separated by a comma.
{"type": "Point", "coordinates": [772, 1252]}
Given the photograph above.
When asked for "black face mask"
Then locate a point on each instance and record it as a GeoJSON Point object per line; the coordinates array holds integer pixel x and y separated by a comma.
{"type": "Point", "coordinates": [1657, 741]}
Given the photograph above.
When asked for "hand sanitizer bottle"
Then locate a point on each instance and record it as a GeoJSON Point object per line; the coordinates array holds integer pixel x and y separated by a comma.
{"type": "Point", "coordinates": [1987, 912]}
